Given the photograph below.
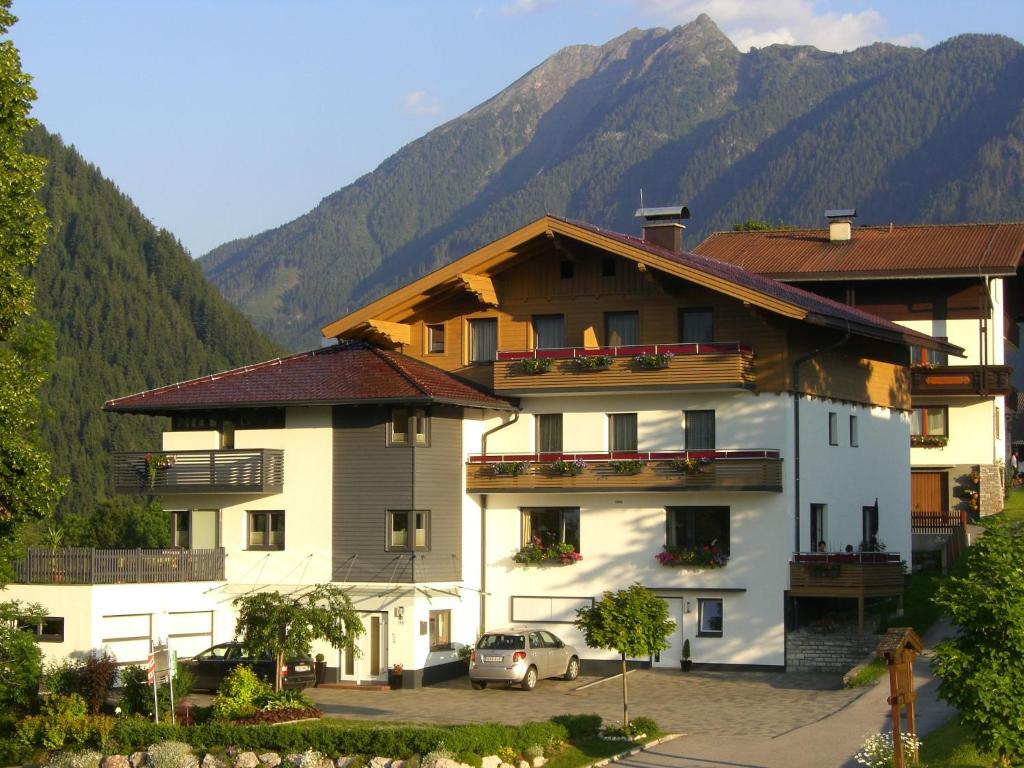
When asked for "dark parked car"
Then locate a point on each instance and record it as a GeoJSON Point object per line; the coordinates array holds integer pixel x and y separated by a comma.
{"type": "Point", "coordinates": [212, 665]}
{"type": "Point", "coordinates": [521, 656]}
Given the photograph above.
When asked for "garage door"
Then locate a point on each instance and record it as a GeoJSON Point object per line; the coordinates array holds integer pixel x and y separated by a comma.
{"type": "Point", "coordinates": [190, 632]}
{"type": "Point", "coordinates": [127, 637]}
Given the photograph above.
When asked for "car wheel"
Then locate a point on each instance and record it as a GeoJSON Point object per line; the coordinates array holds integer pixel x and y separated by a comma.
{"type": "Point", "coordinates": [573, 670]}
{"type": "Point", "coordinates": [478, 685]}
{"type": "Point", "coordinates": [529, 679]}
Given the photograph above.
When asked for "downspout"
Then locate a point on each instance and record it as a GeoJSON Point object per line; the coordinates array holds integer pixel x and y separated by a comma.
{"type": "Point", "coordinates": [796, 426]}
{"type": "Point", "coordinates": [489, 432]}
{"type": "Point", "coordinates": [483, 524]}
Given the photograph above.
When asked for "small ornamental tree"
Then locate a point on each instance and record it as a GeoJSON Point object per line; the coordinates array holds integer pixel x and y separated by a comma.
{"type": "Point", "coordinates": [20, 657]}
{"type": "Point", "coordinates": [633, 622]}
{"type": "Point", "coordinates": [982, 668]}
{"type": "Point", "coordinates": [281, 625]}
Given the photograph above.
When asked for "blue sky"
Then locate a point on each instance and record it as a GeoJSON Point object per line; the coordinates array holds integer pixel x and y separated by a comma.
{"type": "Point", "coordinates": [222, 119]}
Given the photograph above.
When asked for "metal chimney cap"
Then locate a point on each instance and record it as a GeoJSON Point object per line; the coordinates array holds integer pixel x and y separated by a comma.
{"type": "Point", "coordinates": [841, 213]}
{"type": "Point", "coordinates": [663, 214]}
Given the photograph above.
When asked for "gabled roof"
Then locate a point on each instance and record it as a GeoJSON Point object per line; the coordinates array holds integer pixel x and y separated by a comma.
{"type": "Point", "coordinates": [717, 275]}
{"type": "Point", "coordinates": [350, 372]}
{"type": "Point", "coordinates": [921, 250]}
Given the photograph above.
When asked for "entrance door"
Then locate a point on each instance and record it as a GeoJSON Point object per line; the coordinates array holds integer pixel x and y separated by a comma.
{"type": "Point", "coordinates": [371, 663]}
{"type": "Point", "coordinates": [671, 656]}
{"type": "Point", "coordinates": [929, 493]}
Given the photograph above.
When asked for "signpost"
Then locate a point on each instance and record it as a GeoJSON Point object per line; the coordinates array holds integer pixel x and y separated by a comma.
{"type": "Point", "coordinates": [899, 647]}
{"type": "Point", "coordinates": [160, 667]}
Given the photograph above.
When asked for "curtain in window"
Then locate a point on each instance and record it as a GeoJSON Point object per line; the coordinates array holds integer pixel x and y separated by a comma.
{"type": "Point", "coordinates": [421, 529]}
{"type": "Point", "coordinates": [204, 529]}
{"type": "Point", "coordinates": [699, 430]}
{"type": "Point", "coordinates": [483, 340]}
{"type": "Point", "coordinates": [696, 326]}
{"type": "Point", "coordinates": [622, 328]}
{"type": "Point", "coordinates": [623, 431]}
{"type": "Point", "coordinates": [548, 331]}
{"type": "Point", "coordinates": [916, 422]}
{"type": "Point", "coordinates": [276, 537]}
{"type": "Point", "coordinates": [549, 433]}
{"type": "Point", "coordinates": [936, 418]}
{"type": "Point", "coordinates": [399, 529]}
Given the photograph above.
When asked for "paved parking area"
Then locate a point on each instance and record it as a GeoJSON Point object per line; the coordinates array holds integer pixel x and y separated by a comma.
{"type": "Point", "coordinates": [710, 703]}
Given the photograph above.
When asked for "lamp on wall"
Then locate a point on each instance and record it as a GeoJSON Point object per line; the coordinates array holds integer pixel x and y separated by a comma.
{"type": "Point", "coordinates": [399, 612]}
{"type": "Point", "coordinates": [689, 607]}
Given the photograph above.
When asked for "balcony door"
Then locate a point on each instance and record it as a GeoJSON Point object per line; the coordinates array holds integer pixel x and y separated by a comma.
{"type": "Point", "coordinates": [370, 664]}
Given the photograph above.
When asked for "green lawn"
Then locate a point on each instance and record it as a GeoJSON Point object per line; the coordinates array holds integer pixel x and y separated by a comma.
{"type": "Point", "coordinates": [950, 747]}
{"type": "Point", "coordinates": [584, 752]}
{"type": "Point", "coordinates": [1014, 509]}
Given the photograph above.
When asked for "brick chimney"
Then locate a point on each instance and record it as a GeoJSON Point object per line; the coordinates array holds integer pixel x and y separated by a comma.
{"type": "Point", "coordinates": [840, 227]}
{"type": "Point", "coordinates": [663, 227]}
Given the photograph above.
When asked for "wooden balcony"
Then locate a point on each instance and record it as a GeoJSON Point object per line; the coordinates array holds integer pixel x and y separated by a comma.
{"type": "Point", "coordinates": [941, 523]}
{"type": "Point", "coordinates": [259, 471]}
{"type": "Point", "coordinates": [685, 366]}
{"type": "Point", "coordinates": [83, 565]}
{"type": "Point", "coordinates": [723, 470]}
{"type": "Point", "coordinates": [969, 380]}
{"type": "Point", "coordinates": [842, 574]}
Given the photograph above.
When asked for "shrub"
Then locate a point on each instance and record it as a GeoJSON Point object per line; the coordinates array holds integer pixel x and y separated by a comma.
{"type": "Point", "coordinates": [469, 758]}
{"type": "Point", "coordinates": [137, 694]}
{"type": "Point", "coordinates": [432, 758]}
{"type": "Point", "coordinates": [579, 726]}
{"type": "Point", "coordinates": [65, 730]}
{"type": "Point", "coordinates": [13, 751]}
{"type": "Point", "coordinates": [74, 759]}
{"type": "Point", "coordinates": [241, 694]}
{"type": "Point", "coordinates": [91, 678]}
{"type": "Point", "coordinates": [20, 653]}
{"type": "Point", "coordinates": [534, 750]}
{"type": "Point", "coordinates": [171, 754]}
{"type": "Point", "coordinates": [645, 726]}
{"type": "Point", "coordinates": [289, 699]}
{"type": "Point", "coordinates": [69, 705]}
{"type": "Point", "coordinates": [508, 755]}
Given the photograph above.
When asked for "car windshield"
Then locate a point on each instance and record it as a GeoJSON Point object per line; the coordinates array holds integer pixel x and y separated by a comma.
{"type": "Point", "coordinates": [502, 642]}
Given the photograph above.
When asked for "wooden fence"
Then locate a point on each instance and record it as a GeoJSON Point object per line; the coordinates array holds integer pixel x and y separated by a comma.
{"type": "Point", "coordinates": [84, 565]}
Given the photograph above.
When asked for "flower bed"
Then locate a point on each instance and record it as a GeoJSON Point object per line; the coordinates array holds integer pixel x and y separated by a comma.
{"type": "Point", "coordinates": [704, 556]}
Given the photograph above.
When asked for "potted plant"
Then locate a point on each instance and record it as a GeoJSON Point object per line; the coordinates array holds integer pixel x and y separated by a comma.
{"type": "Point", "coordinates": [684, 663]}
{"type": "Point", "coordinates": [155, 464]}
{"type": "Point", "coordinates": [509, 468]}
{"type": "Point", "coordinates": [627, 466]}
{"type": "Point", "coordinates": [654, 360]}
{"type": "Point", "coordinates": [567, 468]}
{"type": "Point", "coordinates": [536, 364]}
{"type": "Point", "coordinates": [320, 669]}
{"type": "Point", "coordinates": [593, 362]}
{"type": "Point", "coordinates": [690, 466]}
{"type": "Point", "coordinates": [395, 677]}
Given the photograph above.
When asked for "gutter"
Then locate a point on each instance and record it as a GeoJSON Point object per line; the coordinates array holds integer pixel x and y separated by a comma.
{"type": "Point", "coordinates": [796, 427]}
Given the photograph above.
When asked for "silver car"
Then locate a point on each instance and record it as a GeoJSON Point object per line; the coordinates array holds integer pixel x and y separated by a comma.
{"type": "Point", "coordinates": [521, 656]}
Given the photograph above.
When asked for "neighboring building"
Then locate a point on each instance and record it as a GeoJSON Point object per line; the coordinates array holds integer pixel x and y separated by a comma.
{"type": "Point", "coordinates": [616, 398]}
{"type": "Point", "coordinates": [957, 282]}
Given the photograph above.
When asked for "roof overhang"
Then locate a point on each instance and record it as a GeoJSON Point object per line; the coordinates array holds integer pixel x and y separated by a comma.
{"type": "Point", "coordinates": [165, 410]}
{"type": "Point", "coordinates": [907, 336]}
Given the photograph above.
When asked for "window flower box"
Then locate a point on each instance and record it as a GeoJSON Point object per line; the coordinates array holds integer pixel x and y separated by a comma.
{"type": "Point", "coordinates": [700, 556]}
{"type": "Point", "coordinates": [593, 362]}
{"type": "Point", "coordinates": [567, 468]}
{"type": "Point", "coordinates": [654, 360]}
{"type": "Point", "coordinates": [691, 466]}
{"type": "Point", "coordinates": [157, 463]}
{"type": "Point", "coordinates": [626, 466]}
{"type": "Point", "coordinates": [536, 553]}
{"type": "Point", "coordinates": [929, 441]}
{"type": "Point", "coordinates": [536, 365]}
{"type": "Point", "coordinates": [509, 468]}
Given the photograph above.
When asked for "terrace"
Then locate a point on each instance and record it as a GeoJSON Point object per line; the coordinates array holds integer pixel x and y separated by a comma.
{"type": "Point", "coordinates": [732, 470]}
{"type": "Point", "coordinates": [856, 575]}
{"type": "Point", "coordinates": [84, 565]}
{"type": "Point", "coordinates": [259, 471]}
{"type": "Point", "coordinates": [647, 366]}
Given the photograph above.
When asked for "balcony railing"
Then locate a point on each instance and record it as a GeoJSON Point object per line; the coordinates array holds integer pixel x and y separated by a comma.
{"type": "Point", "coordinates": [83, 565]}
{"type": "Point", "coordinates": [974, 380]}
{"type": "Point", "coordinates": [719, 470]}
{"type": "Point", "coordinates": [846, 574]}
{"type": "Point", "coordinates": [666, 366]}
{"type": "Point", "coordinates": [228, 471]}
{"type": "Point", "coordinates": [942, 523]}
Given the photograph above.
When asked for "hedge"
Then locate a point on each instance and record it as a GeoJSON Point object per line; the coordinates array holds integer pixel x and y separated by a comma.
{"type": "Point", "coordinates": [131, 733]}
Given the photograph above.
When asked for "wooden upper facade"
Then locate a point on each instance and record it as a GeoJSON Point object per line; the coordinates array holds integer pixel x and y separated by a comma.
{"type": "Point", "coordinates": [553, 268]}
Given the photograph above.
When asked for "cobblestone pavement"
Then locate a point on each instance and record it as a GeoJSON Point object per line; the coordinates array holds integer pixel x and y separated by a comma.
{"type": "Point", "coordinates": [708, 703]}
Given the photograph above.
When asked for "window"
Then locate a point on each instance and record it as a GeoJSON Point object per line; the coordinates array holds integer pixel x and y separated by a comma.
{"type": "Point", "coordinates": [409, 426]}
{"type": "Point", "coordinates": [929, 420]}
{"type": "Point", "coordinates": [869, 528]}
{"type": "Point", "coordinates": [699, 430]}
{"type": "Point", "coordinates": [250, 418]}
{"type": "Point", "coordinates": [483, 340]}
{"type": "Point", "coordinates": [608, 266]}
{"type": "Point", "coordinates": [854, 438]}
{"type": "Point", "coordinates": [548, 331]}
{"type": "Point", "coordinates": [697, 527]}
{"type": "Point", "coordinates": [50, 629]}
{"type": "Point", "coordinates": [435, 339]}
{"type": "Point", "coordinates": [549, 432]}
{"type": "Point", "coordinates": [922, 356]}
{"type": "Point", "coordinates": [266, 530]}
{"type": "Point", "coordinates": [819, 527]}
{"type": "Point", "coordinates": [408, 529]}
{"type": "Point", "coordinates": [440, 630]}
{"type": "Point", "coordinates": [622, 431]}
{"type": "Point", "coordinates": [550, 641]}
{"type": "Point", "coordinates": [621, 329]}
{"type": "Point", "coordinates": [552, 525]}
{"type": "Point", "coordinates": [566, 269]}
{"type": "Point", "coordinates": [833, 428]}
{"type": "Point", "coordinates": [709, 617]}
{"type": "Point", "coordinates": [696, 326]}
{"type": "Point", "coordinates": [194, 529]}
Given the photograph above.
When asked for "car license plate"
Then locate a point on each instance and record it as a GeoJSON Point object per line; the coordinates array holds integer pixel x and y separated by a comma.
{"type": "Point", "coordinates": [492, 658]}
{"type": "Point", "coordinates": [302, 667]}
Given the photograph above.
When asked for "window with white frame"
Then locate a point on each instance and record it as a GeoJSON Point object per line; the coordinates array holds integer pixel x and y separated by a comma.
{"type": "Point", "coordinates": [833, 428]}
{"type": "Point", "coordinates": [854, 436]}
{"type": "Point", "coordinates": [710, 617]}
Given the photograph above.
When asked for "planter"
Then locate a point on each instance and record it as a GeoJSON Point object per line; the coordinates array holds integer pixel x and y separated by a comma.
{"type": "Point", "coordinates": [685, 665]}
{"type": "Point", "coordinates": [394, 680]}
{"type": "Point", "coordinates": [535, 365]}
{"type": "Point", "coordinates": [320, 670]}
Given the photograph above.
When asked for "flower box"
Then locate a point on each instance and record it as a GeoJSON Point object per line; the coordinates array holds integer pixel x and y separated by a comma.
{"type": "Point", "coordinates": [535, 365]}
{"type": "Point", "coordinates": [929, 441]}
{"type": "Point", "coordinates": [701, 556]}
{"type": "Point", "coordinates": [567, 468]}
{"type": "Point", "coordinates": [627, 466]}
{"type": "Point", "coordinates": [537, 553]}
{"type": "Point", "coordinates": [593, 362]}
{"type": "Point", "coordinates": [691, 466]}
{"type": "Point", "coordinates": [509, 468]}
{"type": "Point", "coordinates": [653, 360]}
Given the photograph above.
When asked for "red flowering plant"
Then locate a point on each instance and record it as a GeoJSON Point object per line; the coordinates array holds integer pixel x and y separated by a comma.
{"type": "Point", "coordinates": [700, 556]}
{"type": "Point", "coordinates": [537, 553]}
{"type": "Point", "coordinates": [155, 462]}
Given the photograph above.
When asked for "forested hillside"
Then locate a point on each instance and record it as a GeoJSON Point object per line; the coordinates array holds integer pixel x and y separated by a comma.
{"type": "Point", "coordinates": [780, 133]}
{"type": "Point", "coordinates": [130, 311]}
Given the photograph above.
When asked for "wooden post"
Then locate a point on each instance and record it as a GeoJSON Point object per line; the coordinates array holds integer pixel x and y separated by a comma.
{"type": "Point", "coordinates": [899, 647]}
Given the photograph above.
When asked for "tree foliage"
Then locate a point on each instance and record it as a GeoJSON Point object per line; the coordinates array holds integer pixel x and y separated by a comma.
{"type": "Point", "coordinates": [27, 489]}
{"type": "Point", "coordinates": [118, 524]}
{"type": "Point", "coordinates": [20, 658]}
{"type": "Point", "coordinates": [634, 622]}
{"type": "Point", "coordinates": [281, 625]}
{"type": "Point", "coordinates": [982, 668]}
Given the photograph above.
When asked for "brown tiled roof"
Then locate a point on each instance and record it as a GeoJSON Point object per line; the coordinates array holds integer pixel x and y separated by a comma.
{"type": "Point", "coordinates": [819, 308]}
{"type": "Point", "coordinates": [349, 372]}
{"type": "Point", "coordinates": [918, 250]}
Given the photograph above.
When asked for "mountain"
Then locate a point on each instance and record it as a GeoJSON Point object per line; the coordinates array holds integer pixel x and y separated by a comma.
{"type": "Point", "coordinates": [130, 311]}
{"type": "Point", "coordinates": [779, 134]}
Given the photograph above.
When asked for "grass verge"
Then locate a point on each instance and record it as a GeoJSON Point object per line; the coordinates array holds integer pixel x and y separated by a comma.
{"type": "Point", "coordinates": [586, 751]}
{"type": "Point", "coordinates": [950, 747]}
{"type": "Point", "coordinates": [867, 674]}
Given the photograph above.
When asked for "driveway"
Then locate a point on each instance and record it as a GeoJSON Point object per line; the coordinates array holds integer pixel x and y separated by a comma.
{"type": "Point", "coordinates": [765, 704]}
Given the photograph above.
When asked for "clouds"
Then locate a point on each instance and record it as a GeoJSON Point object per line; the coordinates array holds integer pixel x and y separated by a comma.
{"type": "Point", "coordinates": [524, 7]}
{"type": "Point", "coordinates": [420, 103]}
{"type": "Point", "coordinates": [793, 22]}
